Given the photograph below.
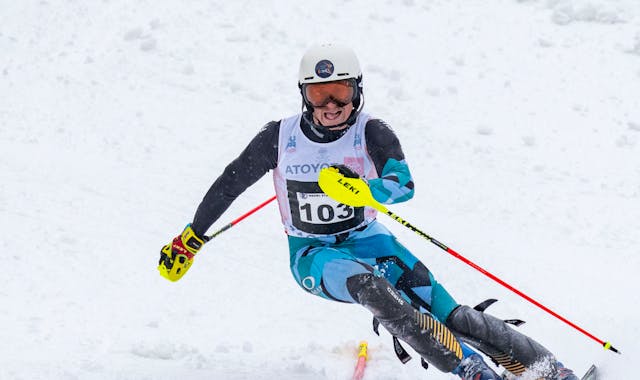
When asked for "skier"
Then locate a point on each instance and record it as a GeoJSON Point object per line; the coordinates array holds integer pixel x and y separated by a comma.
{"type": "Point", "coordinates": [343, 253]}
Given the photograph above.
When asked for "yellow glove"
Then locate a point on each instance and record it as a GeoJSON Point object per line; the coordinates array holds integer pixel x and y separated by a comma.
{"type": "Point", "coordinates": [177, 256]}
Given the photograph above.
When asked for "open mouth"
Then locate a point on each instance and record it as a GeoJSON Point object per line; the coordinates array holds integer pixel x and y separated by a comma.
{"type": "Point", "coordinates": [333, 115]}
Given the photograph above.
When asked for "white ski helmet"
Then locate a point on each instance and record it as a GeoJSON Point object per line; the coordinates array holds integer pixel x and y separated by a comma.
{"type": "Point", "coordinates": [328, 63]}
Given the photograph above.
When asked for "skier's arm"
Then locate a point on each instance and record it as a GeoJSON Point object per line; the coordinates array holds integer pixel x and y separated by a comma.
{"type": "Point", "coordinates": [394, 183]}
{"type": "Point", "coordinates": [260, 156]}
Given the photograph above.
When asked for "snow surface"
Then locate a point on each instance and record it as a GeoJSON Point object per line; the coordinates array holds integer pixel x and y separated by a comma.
{"type": "Point", "coordinates": [521, 120]}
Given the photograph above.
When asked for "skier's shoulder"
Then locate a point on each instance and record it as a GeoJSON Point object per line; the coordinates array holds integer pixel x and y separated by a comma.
{"type": "Point", "coordinates": [265, 142]}
{"type": "Point", "coordinates": [270, 128]}
{"type": "Point", "coordinates": [379, 132]}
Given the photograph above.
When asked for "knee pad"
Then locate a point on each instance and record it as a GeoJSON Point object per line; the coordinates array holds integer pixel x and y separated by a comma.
{"type": "Point", "coordinates": [420, 287]}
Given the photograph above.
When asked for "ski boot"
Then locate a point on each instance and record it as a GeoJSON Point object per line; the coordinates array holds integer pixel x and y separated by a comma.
{"type": "Point", "coordinates": [474, 368]}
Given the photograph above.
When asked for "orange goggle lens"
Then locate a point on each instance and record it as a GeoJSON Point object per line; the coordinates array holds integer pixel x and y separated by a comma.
{"type": "Point", "coordinates": [320, 94]}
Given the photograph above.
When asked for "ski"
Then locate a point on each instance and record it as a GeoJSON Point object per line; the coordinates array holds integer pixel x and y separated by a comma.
{"type": "Point", "coordinates": [592, 373]}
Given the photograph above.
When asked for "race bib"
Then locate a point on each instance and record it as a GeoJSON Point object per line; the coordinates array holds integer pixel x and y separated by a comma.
{"type": "Point", "coordinates": [314, 212]}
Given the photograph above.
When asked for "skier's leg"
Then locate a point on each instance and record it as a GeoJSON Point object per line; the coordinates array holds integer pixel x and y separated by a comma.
{"type": "Point", "coordinates": [322, 270]}
{"type": "Point", "coordinates": [335, 274]}
{"type": "Point", "coordinates": [379, 248]}
{"type": "Point", "coordinates": [331, 271]}
{"type": "Point", "coordinates": [424, 333]}
{"type": "Point", "coordinates": [418, 285]}
{"type": "Point", "coordinates": [430, 338]}
{"type": "Point", "coordinates": [497, 338]}
{"type": "Point", "coordinates": [513, 350]}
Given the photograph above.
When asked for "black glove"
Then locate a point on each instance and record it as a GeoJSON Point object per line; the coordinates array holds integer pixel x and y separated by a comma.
{"type": "Point", "coordinates": [346, 171]}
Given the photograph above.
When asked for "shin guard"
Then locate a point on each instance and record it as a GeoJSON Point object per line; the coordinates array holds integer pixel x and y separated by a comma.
{"type": "Point", "coordinates": [428, 337]}
{"type": "Point", "coordinates": [514, 351]}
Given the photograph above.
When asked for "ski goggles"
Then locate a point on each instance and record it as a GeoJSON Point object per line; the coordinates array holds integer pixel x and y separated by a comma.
{"type": "Point", "coordinates": [340, 92]}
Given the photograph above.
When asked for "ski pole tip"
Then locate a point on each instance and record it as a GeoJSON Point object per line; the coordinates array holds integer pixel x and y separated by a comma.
{"type": "Point", "coordinates": [608, 346]}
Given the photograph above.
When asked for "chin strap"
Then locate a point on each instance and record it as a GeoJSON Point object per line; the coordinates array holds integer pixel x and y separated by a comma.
{"type": "Point", "coordinates": [321, 131]}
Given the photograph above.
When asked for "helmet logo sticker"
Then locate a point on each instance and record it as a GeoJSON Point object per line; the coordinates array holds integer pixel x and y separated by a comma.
{"type": "Point", "coordinates": [324, 68]}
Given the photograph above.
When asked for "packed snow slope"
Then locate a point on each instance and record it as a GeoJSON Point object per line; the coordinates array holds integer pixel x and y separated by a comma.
{"type": "Point", "coordinates": [520, 120]}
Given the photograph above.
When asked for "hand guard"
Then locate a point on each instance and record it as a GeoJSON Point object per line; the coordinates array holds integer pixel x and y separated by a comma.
{"type": "Point", "coordinates": [177, 256]}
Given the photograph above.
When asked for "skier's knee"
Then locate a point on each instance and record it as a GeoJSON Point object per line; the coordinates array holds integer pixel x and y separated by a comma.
{"type": "Point", "coordinates": [367, 288]}
{"type": "Point", "coordinates": [335, 275]}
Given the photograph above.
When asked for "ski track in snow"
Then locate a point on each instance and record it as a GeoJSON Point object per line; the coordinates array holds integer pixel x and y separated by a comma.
{"type": "Point", "coordinates": [521, 120]}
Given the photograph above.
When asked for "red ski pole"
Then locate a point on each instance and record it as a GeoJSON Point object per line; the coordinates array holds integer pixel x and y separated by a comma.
{"type": "Point", "coordinates": [358, 373]}
{"type": "Point", "coordinates": [355, 192]}
{"type": "Point", "coordinates": [239, 219]}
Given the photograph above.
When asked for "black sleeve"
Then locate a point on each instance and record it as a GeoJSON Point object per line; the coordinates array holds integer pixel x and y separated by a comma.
{"type": "Point", "coordinates": [260, 156]}
{"type": "Point", "coordinates": [382, 143]}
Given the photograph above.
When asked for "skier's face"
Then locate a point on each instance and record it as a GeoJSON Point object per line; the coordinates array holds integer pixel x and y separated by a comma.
{"type": "Point", "coordinates": [332, 115]}
{"type": "Point", "coordinates": [332, 101]}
